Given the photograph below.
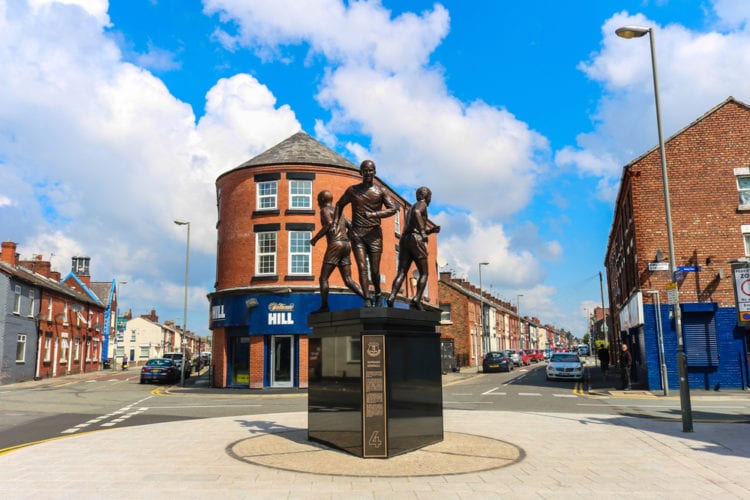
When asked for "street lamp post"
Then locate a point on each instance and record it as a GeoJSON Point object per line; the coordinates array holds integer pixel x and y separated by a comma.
{"type": "Point", "coordinates": [685, 407]}
{"type": "Point", "coordinates": [481, 314]}
{"type": "Point", "coordinates": [184, 310]}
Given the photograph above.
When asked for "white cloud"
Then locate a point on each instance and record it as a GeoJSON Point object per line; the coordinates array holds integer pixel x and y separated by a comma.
{"type": "Point", "coordinates": [476, 158]}
{"type": "Point", "coordinates": [105, 158]}
{"type": "Point", "coordinates": [696, 71]}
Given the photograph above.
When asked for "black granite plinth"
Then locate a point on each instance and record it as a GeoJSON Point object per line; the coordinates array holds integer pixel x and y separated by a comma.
{"type": "Point", "coordinates": [375, 386]}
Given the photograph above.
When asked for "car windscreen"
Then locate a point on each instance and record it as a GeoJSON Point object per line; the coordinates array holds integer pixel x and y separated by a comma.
{"type": "Point", "coordinates": [564, 358]}
{"type": "Point", "coordinates": [495, 356]}
{"type": "Point", "coordinates": [158, 362]}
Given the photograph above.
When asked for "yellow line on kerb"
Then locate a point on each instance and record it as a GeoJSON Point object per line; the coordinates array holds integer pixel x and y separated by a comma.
{"type": "Point", "coordinates": [5, 451]}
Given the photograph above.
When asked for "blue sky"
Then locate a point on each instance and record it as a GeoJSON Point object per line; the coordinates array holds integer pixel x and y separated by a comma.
{"type": "Point", "coordinates": [117, 117]}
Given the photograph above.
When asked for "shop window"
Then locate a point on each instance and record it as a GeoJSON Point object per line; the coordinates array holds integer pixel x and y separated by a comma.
{"type": "Point", "coordinates": [265, 255]}
{"type": "Point", "coordinates": [300, 252]}
{"type": "Point", "coordinates": [20, 348]}
{"type": "Point", "coordinates": [300, 194]}
{"type": "Point", "coordinates": [267, 195]}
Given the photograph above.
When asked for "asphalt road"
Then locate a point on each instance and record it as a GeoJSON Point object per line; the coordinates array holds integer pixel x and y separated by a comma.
{"type": "Point", "coordinates": [42, 410]}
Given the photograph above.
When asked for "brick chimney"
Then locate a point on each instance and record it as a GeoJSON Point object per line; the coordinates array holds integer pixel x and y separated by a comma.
{"type": "Point", "coordinates": [37, 265]}
{"type": "Point", "coordinates": [9, 255]}
{"type": "Point", "coordinates": [80, 266]}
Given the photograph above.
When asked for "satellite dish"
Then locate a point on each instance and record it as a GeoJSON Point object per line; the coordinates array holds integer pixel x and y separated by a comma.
{"type": "Point", "coordinates": [77, 308]}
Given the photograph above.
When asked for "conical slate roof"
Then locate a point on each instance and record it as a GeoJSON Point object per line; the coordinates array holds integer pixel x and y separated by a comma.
{"type": "Point", "coordinates": [300, 149]}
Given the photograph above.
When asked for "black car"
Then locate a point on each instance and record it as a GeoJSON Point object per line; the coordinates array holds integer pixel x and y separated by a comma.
{"type": "Point", "coordinates": [496, 362]}
{"type": "Point", "coordinates": [160, 370]}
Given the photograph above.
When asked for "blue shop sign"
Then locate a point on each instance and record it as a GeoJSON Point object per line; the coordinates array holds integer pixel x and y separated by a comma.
{"type": "Point", "coordinates": [273, 313]}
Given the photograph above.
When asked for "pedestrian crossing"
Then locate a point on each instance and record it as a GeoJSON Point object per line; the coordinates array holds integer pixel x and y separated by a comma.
{"type": "Point", "coordinates": [110, 419]}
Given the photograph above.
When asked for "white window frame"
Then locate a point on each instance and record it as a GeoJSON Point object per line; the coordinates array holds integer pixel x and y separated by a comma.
{"type": "Point", "coordinates": [445, 313]}
{"type": "Point", "coordinates": [132, 335]}
{"type": "Point", "coordinates": [77, 349]}
{"type": "Point", "coordinates": [144, 351]}
{"type": "Point", "coordinates": [49, 309]}
{"type": "Point", "coordinates": [65, 314]}
{"type": "Point", "coordinates": [397, 221]}
{"type": "Point", "coordinates": [32, 302]}
{"type": "Point", "coordinates": [743, 192]}
{"type": "Point", "coordinates": [300, 194]}
{"type": "Point", "coordinates": [47, 348]}
{"type": "Point", "coordinates": [265, 257]}
{"type": "Point", "coordinates": [268, 195]}
{"type": "Point", "coordinates": [297, 254]}
{"type": "Point", "coordinates": [17, 299]}
{"type": "Point", "coordinates": [21, 348]}
{"type": "Point", "coordinates": [745, 229]}
{"type": "Point", "coordinates": [64, 349]}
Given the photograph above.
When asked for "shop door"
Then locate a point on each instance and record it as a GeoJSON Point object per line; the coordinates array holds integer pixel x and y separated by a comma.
{"type": "Point", "coordinates": [282, 361]}
{"type": "Point", "coordinates": [239, 370]}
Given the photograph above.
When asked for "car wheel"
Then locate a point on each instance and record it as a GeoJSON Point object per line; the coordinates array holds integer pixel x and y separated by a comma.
{"type": "Point", "coordinates": [143, 381]}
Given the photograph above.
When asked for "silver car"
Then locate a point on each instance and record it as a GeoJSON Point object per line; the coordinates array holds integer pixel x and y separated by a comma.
{"type": "Point", "coordinates": [565, 366]}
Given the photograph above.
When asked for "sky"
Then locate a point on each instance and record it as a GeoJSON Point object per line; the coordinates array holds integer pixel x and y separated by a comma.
{"type": "Point", "coordinates": [117, 117]}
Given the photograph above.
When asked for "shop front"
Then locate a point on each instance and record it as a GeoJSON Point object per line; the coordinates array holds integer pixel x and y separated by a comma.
{"type": "Point", "coordinates": [261, 339]}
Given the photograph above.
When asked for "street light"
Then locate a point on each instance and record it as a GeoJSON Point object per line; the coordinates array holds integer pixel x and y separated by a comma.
{"type": "Point", "coordinates": [117, 323]}
{"type": "Point", "coordinates": [660, 334]}
{"type": "Point", "coordinates": [685, 407]}
{"type": "Point", "coordinates": [184, 310]}
{"type": "Point", "coordinates": [520, 322]}
{"type": "Point", "coordinates": [481, 308]}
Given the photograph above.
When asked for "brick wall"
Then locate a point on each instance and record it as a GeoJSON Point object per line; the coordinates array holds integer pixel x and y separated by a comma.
{"type": "Point", "coordinates": [706, 221]}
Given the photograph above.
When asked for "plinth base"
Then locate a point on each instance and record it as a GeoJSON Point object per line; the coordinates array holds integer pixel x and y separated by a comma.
{"type": "Point", "coordinates": [375, 387]}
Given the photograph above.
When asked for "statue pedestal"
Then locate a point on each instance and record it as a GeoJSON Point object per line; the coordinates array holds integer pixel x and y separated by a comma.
{"type": "Point", "coordinates": [375, 387]}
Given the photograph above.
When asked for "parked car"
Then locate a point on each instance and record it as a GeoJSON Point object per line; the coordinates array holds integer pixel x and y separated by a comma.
{"type": "Point", "coordinates": [520, 358]}
{"type": "Point", "coordinates": [178, 357]}
{"type": "Point", "coordinates": [565, 366]}
{"type": "Point", "coordinates": [496, 362]}
{"type": "Point", "coordinates": [583, 350]}
{"type": "Point", "coordinates": [160, 370]}
{"type": "Point", "coordinates": [533, 355]}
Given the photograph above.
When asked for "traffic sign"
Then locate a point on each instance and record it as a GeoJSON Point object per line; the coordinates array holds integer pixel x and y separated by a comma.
{"type": "Point", "coordinates": [672, 296]}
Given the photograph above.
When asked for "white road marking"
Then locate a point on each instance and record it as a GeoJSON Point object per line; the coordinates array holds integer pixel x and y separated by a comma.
{"type": "Point", "coordinates": [490, 391]}
{"type": "Point", "coordinates": [565, 395]}
{"type": "Point", "coordinates": [529, 394]}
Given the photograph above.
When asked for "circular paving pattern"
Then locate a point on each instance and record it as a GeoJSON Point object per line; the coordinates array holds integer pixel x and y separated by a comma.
{"type": "Point", "coordinates": [457, 454]}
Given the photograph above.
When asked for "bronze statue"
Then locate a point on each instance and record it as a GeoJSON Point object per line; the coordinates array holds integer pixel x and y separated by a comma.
{"type": "Point", "coordinates": [337, 251]}
{"type": "Point", "coordinates": [367, 200]}
{"type": "Point", "coordinates": [413, 248]}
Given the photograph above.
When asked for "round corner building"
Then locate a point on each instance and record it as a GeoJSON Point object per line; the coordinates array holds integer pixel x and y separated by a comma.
{"type": "Point", "coordinates": [267, 271]}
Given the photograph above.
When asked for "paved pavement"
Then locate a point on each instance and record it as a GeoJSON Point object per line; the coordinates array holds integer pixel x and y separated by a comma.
{"type": "Point", "coordinates": [484, 455]}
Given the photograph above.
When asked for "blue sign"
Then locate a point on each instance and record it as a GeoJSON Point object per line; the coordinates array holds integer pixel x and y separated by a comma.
{"type": "Point", "coordinates": [689, 269]}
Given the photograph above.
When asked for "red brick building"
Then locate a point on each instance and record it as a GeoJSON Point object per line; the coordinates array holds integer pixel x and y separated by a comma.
{"type": "Point", "coordinates": [471, 336]}
{"type": "Point", "coordinates": [708, 166]}
{"type": "Point", "coordinates": [267, 273]}
{"type": "Point", "coordinates": [63, 322]}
